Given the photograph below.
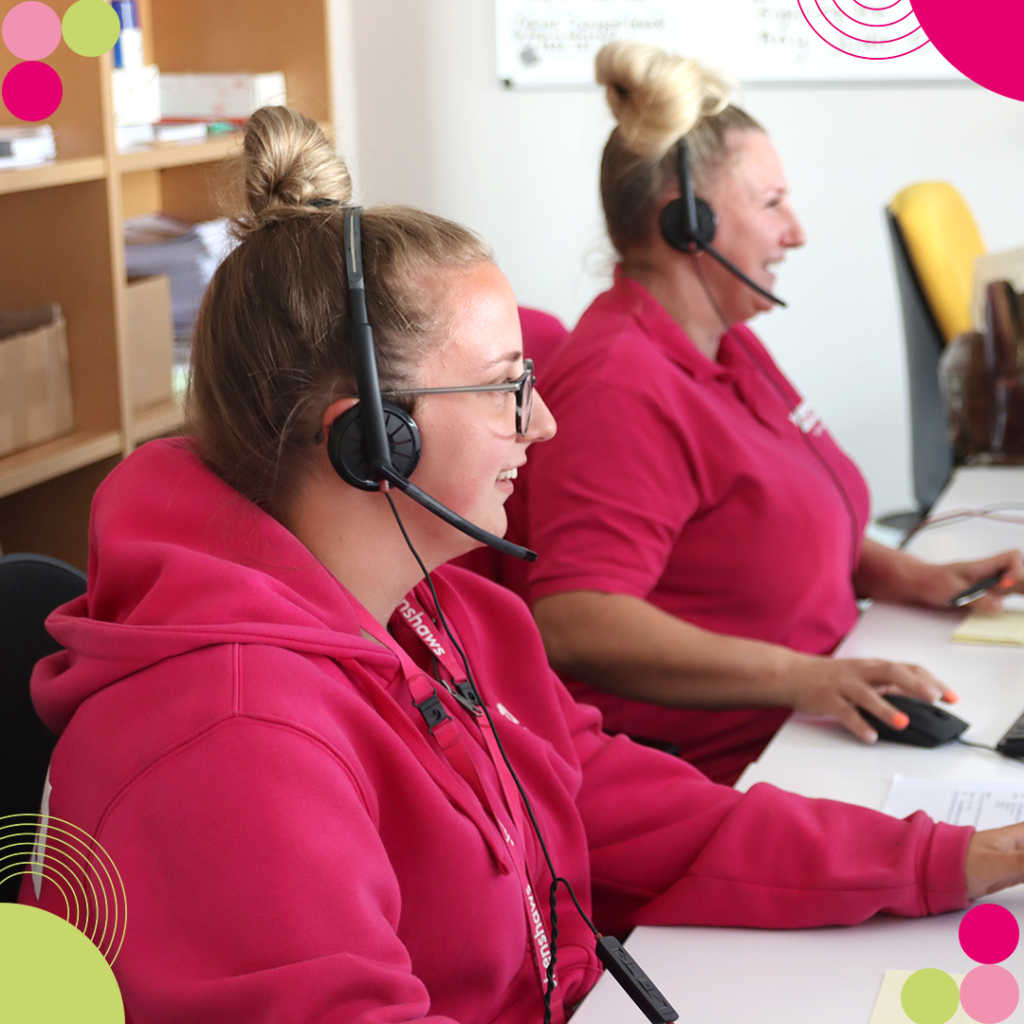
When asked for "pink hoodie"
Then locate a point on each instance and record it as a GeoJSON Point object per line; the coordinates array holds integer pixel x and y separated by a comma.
{"type": "Point", "coordinates": [296, 847]}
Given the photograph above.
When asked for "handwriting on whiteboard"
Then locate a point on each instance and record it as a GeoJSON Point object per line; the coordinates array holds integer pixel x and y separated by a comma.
{"type": "Point", "coordinates": [782, 29]}
{"type": "Point", "coordinates": [553, 42]}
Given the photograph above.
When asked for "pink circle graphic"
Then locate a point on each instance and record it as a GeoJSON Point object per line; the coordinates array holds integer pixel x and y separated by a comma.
{"type": "Point", "coordinates": [981, 39]}
{"type": "Point", "coordinates": [989, 994]}
{"type": "Point", "coordinates": [988, 933]}
{"type": "Point", "coordinates": [31, 31]}
{"type": "Point", "coordinates": [32, 91]}
{"type": "Point", "coordinates": [875, 39]}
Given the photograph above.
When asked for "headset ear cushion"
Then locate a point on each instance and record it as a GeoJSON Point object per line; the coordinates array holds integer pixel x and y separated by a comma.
{"type": "Point", "coordinates": [346, 445]}
{"type": "Point", "coordinates": [674, 226]}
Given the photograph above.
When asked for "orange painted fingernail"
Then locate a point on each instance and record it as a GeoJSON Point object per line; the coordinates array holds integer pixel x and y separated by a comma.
{"type": "Point", "coordinates": [900, 720]}
{"type": "Point", "coordinates": [950, 697]}
{"type": "Point", "coordinates": [1007, 580]}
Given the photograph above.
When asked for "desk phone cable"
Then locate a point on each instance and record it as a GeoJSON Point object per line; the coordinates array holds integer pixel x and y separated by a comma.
{"type": "Point", "coordinates": [626, 971]}
{"type": "Point", "coordinates": [995, 511]}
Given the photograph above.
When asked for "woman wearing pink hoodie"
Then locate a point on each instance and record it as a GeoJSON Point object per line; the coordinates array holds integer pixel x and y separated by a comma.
{"type": "Point", "coordinates": [267, 726]}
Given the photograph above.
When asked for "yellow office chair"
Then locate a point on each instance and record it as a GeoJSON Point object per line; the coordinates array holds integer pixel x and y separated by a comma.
{"type": "Point", "coordinates": [935, 243]}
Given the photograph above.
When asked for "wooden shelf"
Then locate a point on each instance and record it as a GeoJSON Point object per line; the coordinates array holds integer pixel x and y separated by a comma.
{"type": "Point", "coordinates": [55, 458]}
{"type": "Point", "coordinates": [161, 419]}
{"type": "Point", "coordinates": [178, 154]}
{"type": "Point", "coordinates": [56, 172]}
{"type": "Point", "coordinates": [62, 236]}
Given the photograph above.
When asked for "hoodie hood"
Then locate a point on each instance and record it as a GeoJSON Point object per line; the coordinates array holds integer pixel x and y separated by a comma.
{"type": "Point", "coordinates": [178, 560]}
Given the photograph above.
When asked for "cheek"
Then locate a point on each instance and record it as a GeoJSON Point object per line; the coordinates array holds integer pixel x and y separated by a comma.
{"type": "Point", "coordinates": [461, 461]}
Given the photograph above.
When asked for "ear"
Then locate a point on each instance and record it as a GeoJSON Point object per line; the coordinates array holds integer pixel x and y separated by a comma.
{"type": "Point", "coordinates": [337, 408]}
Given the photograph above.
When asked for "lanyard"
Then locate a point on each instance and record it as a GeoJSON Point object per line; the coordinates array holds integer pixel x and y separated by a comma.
{"type": "Point", "coordinates": [426, 701]}
{"type": "Point", "coordinates": [445, 733]}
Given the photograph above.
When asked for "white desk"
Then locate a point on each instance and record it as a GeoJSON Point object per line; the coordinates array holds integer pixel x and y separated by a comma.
{"type": "Point", "coordinates": [737, 975]}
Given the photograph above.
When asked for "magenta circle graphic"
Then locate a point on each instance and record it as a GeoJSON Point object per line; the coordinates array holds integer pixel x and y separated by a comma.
{"type": "Point", "coordinates": [32, 91]}
{"type": "Point", "coordinates": [982, 39]}
{"type": "Point", "coordinates": [31, 30]}
{"type": "Point", "coordinates": [869, 32]}
{"type": "Point", "coordinates": [988, 933]}
{"type": "Point", "coordinates": [989, 994]}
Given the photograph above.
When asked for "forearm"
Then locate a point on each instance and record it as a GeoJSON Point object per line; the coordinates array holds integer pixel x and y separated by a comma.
{"type": "Point", "coordinates": [887, 574]}
{"type": "Point", "coordinates": [626, 646]}
{"type": "Point", "coordinates": [890, 575]}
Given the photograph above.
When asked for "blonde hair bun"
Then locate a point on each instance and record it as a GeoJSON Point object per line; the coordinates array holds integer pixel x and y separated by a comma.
{"type": "Point", "coordinates": [289, 163]}
{"type": "Point", "coordinates": [656, 96]}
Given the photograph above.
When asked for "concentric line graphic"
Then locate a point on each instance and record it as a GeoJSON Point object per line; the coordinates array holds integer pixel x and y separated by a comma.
{"type": "Point", "coordinates": [58, 852]}
{"type": "Point", "coordinates": [865, 31]}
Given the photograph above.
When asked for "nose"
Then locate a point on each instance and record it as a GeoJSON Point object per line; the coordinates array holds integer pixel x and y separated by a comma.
{"type": "Point", "coordinates": [542, 423]}
{"type": "Point", "coordinates": [794, 236]}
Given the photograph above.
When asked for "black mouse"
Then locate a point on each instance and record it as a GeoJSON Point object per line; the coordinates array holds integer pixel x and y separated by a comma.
{"type": "Point", "coordinates": [930, 725]}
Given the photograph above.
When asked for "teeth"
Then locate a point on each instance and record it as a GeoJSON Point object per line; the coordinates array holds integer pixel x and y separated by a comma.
{"type": "Point", "coordinates": [508, 474]}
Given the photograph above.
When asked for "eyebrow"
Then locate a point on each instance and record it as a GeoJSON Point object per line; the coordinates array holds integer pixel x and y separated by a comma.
{"type": "Point", "coordinates": [508, 357]}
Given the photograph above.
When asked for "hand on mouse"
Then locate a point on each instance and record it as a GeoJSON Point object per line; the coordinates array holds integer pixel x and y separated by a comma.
{"type": "Point", "coordinates": [995, 860]}
{"type": "Point", "coordinates": [837, 687]}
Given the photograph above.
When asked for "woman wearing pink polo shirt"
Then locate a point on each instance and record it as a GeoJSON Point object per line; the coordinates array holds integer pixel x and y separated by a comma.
{"type": "Point", "coordinates": [701, 534]}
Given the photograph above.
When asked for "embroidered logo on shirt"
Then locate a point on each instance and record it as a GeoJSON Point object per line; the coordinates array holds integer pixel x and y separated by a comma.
{"type": "Point", "coordinates": [420, 628]}
{"type": "Point", "coordinates": [806, 419]}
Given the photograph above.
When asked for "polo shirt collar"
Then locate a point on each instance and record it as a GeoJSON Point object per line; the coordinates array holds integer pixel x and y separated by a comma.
{"type": "Point", "coordinates": [663, 331]}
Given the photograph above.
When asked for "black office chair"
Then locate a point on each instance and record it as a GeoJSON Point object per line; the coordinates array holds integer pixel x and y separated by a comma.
{"type": "Point", "coordinates": [932, 452]}
{"type": "Point", "coordinates": [31, 586]}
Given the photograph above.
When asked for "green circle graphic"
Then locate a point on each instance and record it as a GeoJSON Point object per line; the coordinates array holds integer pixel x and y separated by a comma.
{"type": "Point", "coordinates": [52, 973]}
{"type": "Point", "coordinates": [91, 27]}
{"type": "Point", "coordinates": [930, 997]}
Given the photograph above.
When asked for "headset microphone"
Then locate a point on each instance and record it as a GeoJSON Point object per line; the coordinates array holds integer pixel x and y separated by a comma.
{"type": "Point", "coordinates": [377, 441]}
{"type": "Point", "coordinates": [688, 224]}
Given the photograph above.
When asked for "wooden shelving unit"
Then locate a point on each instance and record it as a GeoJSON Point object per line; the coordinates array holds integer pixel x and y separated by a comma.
{"type": "Point", "coordinates": [61, 238]}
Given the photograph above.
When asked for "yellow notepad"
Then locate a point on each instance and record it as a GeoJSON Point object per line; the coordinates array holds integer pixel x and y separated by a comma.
{"type": "Point", "coordinates": [889, 1008]}
{"type": "Point", "coordinates": [1005, 627]}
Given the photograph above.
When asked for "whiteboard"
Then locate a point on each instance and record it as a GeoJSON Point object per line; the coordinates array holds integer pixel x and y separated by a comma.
{"type": "Point", "coordinates": [551, 43]}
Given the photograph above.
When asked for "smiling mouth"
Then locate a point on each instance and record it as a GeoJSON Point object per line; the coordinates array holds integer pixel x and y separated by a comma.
{"type": "Point", "coordinates": [509, 474]}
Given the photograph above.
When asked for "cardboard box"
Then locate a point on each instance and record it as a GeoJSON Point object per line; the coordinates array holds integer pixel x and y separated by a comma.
{"type": "Point", "coordinates": [150, 341]}
{"type": "Point", "coordinates": [231, 97]}
{"type": "Point", "coordinates": [35, 385]}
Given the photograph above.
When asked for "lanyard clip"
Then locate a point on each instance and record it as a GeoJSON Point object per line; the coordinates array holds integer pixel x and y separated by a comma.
{"type": "Point", "coordinates": [467, 696]}
{"type": "Point", "coordinates": [432, 710]}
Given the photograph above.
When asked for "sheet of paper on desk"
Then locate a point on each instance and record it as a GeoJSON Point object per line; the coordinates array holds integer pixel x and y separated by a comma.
{"type": "Point", "coordinates": [981, 804]}
{"type": "Point", "coordinates": [889, 1009]}
{"type": "Point", "coordinates": [1005, 627]}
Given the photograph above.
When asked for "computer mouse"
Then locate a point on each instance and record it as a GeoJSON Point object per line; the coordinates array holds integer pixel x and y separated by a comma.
{"type": "Point", "coordinates": [930, 725]}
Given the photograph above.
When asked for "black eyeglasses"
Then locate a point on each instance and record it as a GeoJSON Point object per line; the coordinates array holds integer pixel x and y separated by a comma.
{"type": "Point", "coordinates": [522, 386]}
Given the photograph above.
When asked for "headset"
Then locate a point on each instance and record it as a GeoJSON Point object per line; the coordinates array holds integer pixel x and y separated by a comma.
{"type": "Point", "coordinates": [688, 224]}
{"type": "Point", "coordinates": [377, 443]}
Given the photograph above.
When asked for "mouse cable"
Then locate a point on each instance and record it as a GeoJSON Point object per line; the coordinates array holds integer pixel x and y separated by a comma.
{"type": "Point", "coordinates": [984, 746]}
{"type": "Point", "coordinates": [610, 951]}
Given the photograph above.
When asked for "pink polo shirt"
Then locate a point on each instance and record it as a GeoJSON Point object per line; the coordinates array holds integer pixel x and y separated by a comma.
{"type": "Point", "coordinates": [688, 483]}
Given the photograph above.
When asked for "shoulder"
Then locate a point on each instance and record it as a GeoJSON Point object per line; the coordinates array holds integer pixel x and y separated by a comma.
{"type": "Point", "coordinates": [489, 617]}
{"type": "Point", "coordinates": [612, 350]}
{"type": "Point", "coordinates": [479, 598]}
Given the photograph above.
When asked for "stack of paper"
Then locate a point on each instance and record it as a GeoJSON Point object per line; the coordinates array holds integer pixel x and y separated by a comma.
{"type": "Point", "coordinates": [220, 97]}
{"type": "Point", "coordinates": [187, 253]}
{"type": "Point", "coordinates": [981, 804]}
{"type": "Point", "coordinates": [22, 147]}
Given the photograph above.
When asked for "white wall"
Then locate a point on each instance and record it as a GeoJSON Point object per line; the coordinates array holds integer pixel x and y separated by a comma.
{"type": "Point", "coordinates": [435, 129]}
